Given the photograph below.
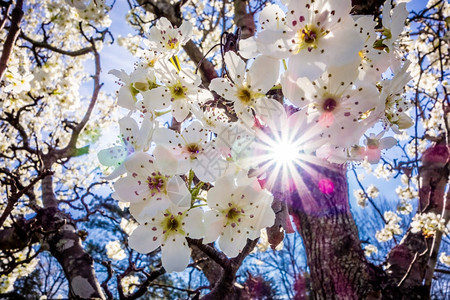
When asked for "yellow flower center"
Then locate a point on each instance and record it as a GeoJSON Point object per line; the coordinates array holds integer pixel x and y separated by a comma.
{"type": "Point", "coordinates": [173, 43]}
{"type": "Point", "coordinates": [245, 95]}
{"type": "Point", "coordinates": [178, 91]}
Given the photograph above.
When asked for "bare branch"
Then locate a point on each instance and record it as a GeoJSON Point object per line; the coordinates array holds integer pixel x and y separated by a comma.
{"type": "Point", "coordinates": [12, 200]}
{"type": "Point", "coordinates": [13, 33]}
{"type": "Point", "coordinates": [56, 49]}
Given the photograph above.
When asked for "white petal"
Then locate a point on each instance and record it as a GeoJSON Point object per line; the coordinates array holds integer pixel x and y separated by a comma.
{"type": "Point", "coordinates": [186, 31]}
{"type": "Point", "coordinates": [388, 142]}
{"type": "Point", "coordinates": [244, 114]}
{"type": "Point", "coordinates": [344, 35]}
{"type": "Point", "coordinates": [271, 17]}
{"type": "Point", "coordinates": [145, 134]}
{"type": "Point", "coordinates": [224, 88]}
{"type": "Point", "coordinates": [292, 91]}
{"type": "Point", "coordinates": [209, 165]}
{"type": "Point", "coordinates": [155, 99]}
{"type": "Point", "coordinates": [236, 67]}
{"type": "Point", "coordinates": [264, 216]}
{"type": "Point", "coordinates": [126, 99]}
{"type": "Point", "coordinates": [143, 211]}
{"type": "Point", "coordinates": [132, 189]}
{"type": "Point", "coordinates": [121, 74]}
{"type": "Point", "coordinates": [263, 73]}
{"type": "Point", "coordinates": [218, 196]}
{"type": "Point", "coordinates": [275, 43]}
{"type": "Point", "coordinates": [180, 109]}
{"type": "Point", "coordinates": [140, 163]}
{"type": "Point", "coordinates": [166, 137]}
{"type": "Point", "coordinates": [386, 21]}
{"type": "Point", "coordinates": [116, 172]}
{"type": "Point", "coordinates": [129, 131]}
{"type": "Point", "coordinates": [232, 241]}
{"type": "Point", "coordinates": [214, 222]}
{"type": "Point", "coordinates": [163, 23]}
{"type": "Point", "coordinates": [166, 160]}
{"type": "Point", "coordinates": [195, 133]}
{"type": "Point", "coordinates": [144, 239]}
{"type": "Point", "coordinates": [399, 15]}
{"type": "Point", "coordinates": [270, 111]}
{"type": "Point", "coordinates": [193, 223]}
{"type": "Point", "coordinates": [306, 64]}
{"type": "Point", "coordinates": [175, 254]}
{"type": "Point", "coordinates": [113, 156]}
{"type": "Point", "coordinates": [248, 48]}
{"type": "Point", "coordinates": [178, 192]}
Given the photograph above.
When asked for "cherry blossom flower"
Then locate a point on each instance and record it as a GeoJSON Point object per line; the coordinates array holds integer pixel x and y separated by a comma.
{"type": "Point", "coordinates": [114, 250]}
{"type": "Point", "coordinates": [17, 82]}
{"type": "Point", "coordinates": [271, 18]}
{"type": "Point", "coordinates": [445, 259]}
{"type": "Point", "coordinates": [240, 209]}
{"type": "Point", "coordinates": [373, 61]}
{"type": "Point", "coordinates": [190, 149]}
{"type": "Point", "coordinates": [140, 80]}
{"type": "Point", "coordinates": [133, 139]}
{"type": "Point", "coordinates": [246, 88]}
{"type": "Point", "coordinates": [393, 22]}
{"type": "Point", "coordinates": [166, 38]}
{"type": "Point", "coordinates": [394, 111]}
{"type": "Point", "coordinates": [179, 91]}
{"type": "Point", "coordinates": [339, 104]}
{"type": "Point", "coordinates": [428, 224]}
{"type": "Point", "coordinates": [309, 38]}
{"type": "Point", "coordinates": [79, 4]}
{"type": "Point", "coordinates": [374, 145]}
{"type": "Point", "coordinates": [169, 229]}
{"type": "Point", "coordinates": [370, 249]}
{"type": "Point", "coordinates": [147, 188]}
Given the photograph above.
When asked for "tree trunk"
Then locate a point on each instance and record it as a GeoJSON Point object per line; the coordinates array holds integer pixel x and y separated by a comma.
{"type": "Point", "coordinates": [338, 267]}
{"type": "Point", "coordinates": [65, 245]}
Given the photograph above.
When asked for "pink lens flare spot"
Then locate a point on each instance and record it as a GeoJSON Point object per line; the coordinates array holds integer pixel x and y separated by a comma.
{"type": "Point", "coordinates": [326, 119]}
{"type": "Point", "coordinates": [326, 186]}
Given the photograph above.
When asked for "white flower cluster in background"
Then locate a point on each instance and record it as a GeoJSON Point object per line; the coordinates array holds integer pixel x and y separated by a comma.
{"type": "Point", "coordinates": [23, 269]}
{"type": "Point", "coordinates": [129, 284]}
{"type": "Point", "coordinates": [391, 228]}
{"type": "Point", "coordinates": [428, 224]}
{"type": "Point", "coordinates": [361, 196]}
{"type": "Point", "coordinates": [445, 259]}
{"type": "Point", "coordinates": [370, 249]}
{"type": "Point", "coordinates": [114, 250]}
{"type": "Point", "coordinates": [328, 64]}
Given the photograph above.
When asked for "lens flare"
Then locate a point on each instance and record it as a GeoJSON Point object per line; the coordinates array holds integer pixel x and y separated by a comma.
{"type": "Point", "coordinates": [284, 152]}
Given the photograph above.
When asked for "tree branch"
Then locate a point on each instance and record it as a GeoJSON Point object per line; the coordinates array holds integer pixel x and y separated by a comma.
{"type": "Point", "coordinates": [56, 49]}
{"type": "Point", "coordinates": [65, 245]}
{"type": "Point", "coordinates": [16, 17]}
{"type": "Point", "coordinates": [16, 195]}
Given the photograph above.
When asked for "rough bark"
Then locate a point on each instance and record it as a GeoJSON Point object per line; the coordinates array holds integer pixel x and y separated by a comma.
{"type": "Point", "coordinates": [336, 260]}
{"type": "Point", "coordinates": [414, 259]}
{"type": "Point", "coordinates": [65, 245]}
{"type": "Point", "coordinates": [243, 19]}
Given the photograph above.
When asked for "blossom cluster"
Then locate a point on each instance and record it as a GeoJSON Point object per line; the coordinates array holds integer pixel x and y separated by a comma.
{"type": "Point", "coordinates": [391, 228]}
{"type": "Point", "coordinates": [26, 264]}
{"type": "Point", "coordinates": [211, 177]}
{"type": "Point", "coordinates": [428, 224]}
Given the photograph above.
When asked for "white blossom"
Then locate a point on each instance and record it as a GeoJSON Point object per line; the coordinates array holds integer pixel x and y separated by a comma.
{"type": "Point", "coordinates": [114, 250]}
{"type": "Point", "coordinates": [239, 210]}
